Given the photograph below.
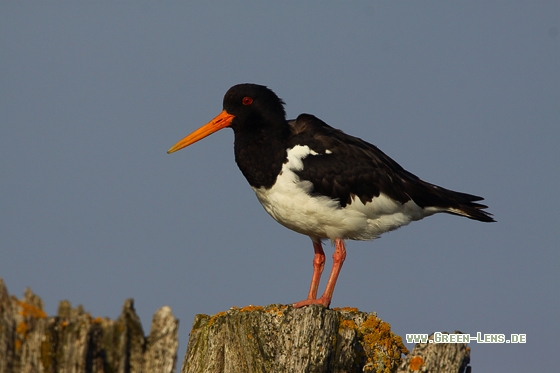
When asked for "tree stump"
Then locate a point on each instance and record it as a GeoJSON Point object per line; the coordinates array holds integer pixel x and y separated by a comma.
{"type": "Point", "coordinates": [280, 338]}
{"type": "Point", "coordinates": [438, 358]}
{"type": "Point", "coordinates": [74, 341]}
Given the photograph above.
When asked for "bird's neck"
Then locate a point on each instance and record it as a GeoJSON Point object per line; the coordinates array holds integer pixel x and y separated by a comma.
{"type": "Point", "coordinates": [260, 153]}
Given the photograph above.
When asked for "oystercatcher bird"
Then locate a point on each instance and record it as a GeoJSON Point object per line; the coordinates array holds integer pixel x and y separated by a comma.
{"type": "Point", "coordinates": [321, 182]}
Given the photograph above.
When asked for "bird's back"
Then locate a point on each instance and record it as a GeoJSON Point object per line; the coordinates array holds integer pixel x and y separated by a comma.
{"type": "Point", "coordinates": [347, 168]}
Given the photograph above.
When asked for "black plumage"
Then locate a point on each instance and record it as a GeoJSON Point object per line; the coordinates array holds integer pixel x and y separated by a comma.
{"type": "Point", "coordinates": [354, 168]}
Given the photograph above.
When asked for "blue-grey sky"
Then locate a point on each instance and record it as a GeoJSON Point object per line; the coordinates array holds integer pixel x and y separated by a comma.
{"type": "Point", "coordinates": [465, 95]}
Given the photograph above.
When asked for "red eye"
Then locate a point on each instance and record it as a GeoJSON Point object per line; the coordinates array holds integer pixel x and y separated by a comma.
{"type": "Point", "coordinates": [247, 100]}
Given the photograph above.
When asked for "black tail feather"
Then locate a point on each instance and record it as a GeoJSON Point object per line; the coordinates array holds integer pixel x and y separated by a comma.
{"type": "Point", "coordinates": [452, 202]}
{"type": "Point", "coordinates": [473, 211]}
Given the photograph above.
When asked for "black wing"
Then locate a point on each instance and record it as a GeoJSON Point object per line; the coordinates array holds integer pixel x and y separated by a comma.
{"type": "Point", "coordinates": [347, 167]}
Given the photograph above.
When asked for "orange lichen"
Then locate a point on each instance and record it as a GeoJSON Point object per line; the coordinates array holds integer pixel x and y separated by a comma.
{"type": "Point", "coordinates": [213, 319]}
{"type": "Point", "coordinates": [416, 363]}
{"type": "Point", "coordinates": [347, 309]}
{"type": "Point", "coordinates": [22, 328]}
{"type": "Point", "coordinates": [277, 309]}
{"type": "Point", "coordinates": [98, 320]}
{"type": "Point", "coordinates": [377, 335]}
{"type": "Point", "coordinates": [251, 308]}
{"type": "Point", "coordinates": [348, 324]}
{"type": "Point", "coordinates": [29, 310]}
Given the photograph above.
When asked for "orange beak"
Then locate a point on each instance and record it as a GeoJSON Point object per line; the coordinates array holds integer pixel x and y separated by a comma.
{"type": "Point", "coordinates": [221, 121]}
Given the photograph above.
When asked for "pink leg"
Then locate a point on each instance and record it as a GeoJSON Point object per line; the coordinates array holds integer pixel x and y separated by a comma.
{"type": "Point", "coordinates": [318, 265]}
{"type": "Point", "coordinates": [338, 259]}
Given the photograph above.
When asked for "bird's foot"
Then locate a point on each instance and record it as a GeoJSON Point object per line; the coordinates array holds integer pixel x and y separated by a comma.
{"type": "Point", "coordinates": [324, 301]}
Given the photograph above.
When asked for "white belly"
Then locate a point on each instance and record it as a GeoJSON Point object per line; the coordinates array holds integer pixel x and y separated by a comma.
{"type": "Point", "coordinates": [289, 202]}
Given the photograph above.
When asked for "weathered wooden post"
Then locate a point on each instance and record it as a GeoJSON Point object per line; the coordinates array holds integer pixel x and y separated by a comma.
{"type": "Point", "coordinates": [275, 339]}
{"type": "Point", "coordinates": [74, 341]}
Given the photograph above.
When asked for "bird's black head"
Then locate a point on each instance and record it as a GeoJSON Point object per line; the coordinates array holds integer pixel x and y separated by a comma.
{"type": "Point", "coordinates": [253, 104]}
{"type": "Point", "coordinates": [248, 109]}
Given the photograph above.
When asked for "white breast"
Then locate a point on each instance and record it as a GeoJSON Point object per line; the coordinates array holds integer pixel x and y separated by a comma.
{"type": "Point", "coordinates": [289, 202]}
